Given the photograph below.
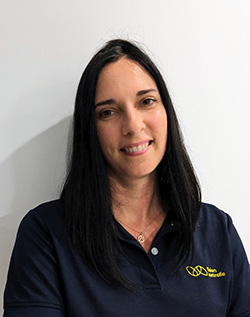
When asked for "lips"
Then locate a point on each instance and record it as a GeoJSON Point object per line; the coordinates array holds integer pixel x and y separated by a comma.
{"type": "Point", "coordinates": [136, 147]}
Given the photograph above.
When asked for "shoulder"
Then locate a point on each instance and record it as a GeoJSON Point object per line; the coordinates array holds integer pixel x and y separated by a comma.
{"type": "Point", "coordinates": [46, 218]}
{"type": "Point", "coordinates": [34, 279]}
{"type": "Point", "coordinates": [211, 215]}
{"type": "Point", "coordinates": [47, 209]}
{"type": "Point", "coordinates": [46, 212]}
{"type": "Point", "coordinates": [214, 226]}
{"type": "Point", "coordinates": [215, 229]}
{"type": "Point", "coordinates": [218, 245]}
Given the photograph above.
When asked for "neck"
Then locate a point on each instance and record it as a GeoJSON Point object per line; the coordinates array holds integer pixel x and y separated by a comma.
{"type": "Point", "coordinates": [135, 201]}
{"type": "Point", "coordinates": [136, 205]}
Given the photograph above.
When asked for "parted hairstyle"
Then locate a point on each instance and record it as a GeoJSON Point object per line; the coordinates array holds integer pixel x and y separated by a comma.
{"type": "Point", "coordinates": [86, 194]}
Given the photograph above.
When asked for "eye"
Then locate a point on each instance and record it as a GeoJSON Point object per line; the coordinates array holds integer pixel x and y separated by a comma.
{"type": "Point", "coordinates": [148, 101]}
{"type": "Point", "coordinates": [105, 114]}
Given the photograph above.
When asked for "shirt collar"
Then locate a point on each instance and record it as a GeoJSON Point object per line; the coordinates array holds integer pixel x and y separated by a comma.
{"type": "Point", "coordinates": [170, 224]}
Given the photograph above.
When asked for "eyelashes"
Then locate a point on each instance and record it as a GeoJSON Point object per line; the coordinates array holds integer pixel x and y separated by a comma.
{"type": "Point", "coordinates": [148, 101]}
{"type": "Point", "coordinates": [107, 113]}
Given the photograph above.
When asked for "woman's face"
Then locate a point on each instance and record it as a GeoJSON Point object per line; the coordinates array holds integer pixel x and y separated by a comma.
{"type": "Point", "coordinates": [131, 120]}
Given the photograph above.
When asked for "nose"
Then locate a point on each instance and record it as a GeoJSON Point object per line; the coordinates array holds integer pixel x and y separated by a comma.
{"type": "Point", "coordinates": [132, 122]}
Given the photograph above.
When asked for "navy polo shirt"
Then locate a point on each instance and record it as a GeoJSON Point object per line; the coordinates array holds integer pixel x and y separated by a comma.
{"type": "Point", "coordinates": [47, 278]}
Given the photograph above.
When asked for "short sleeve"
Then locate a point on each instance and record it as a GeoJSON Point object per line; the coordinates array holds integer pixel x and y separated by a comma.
{"type": "Point", "coordinates": [33, 284]}
{"type": "Point", "coordinates": [240, 295]}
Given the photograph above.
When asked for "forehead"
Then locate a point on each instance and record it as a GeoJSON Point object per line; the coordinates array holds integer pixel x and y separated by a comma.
{"type": "Point", "coordinates": [124, 74]}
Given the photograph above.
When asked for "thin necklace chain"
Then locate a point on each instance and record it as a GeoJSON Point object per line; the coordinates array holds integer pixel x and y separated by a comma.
{"type": "Point", "coordinates": [141, 237]}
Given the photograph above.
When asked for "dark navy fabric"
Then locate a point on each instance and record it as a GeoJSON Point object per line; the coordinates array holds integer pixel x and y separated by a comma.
{"type": "Point", "coordinates": [47, 278]}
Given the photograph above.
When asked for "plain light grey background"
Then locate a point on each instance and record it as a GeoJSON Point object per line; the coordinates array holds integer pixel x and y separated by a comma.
{"type": "Point", "coordinates": [201, 46]}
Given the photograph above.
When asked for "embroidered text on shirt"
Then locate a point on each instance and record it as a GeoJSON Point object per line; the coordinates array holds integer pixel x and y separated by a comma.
{"type": "Point", "coordinates": [200, 270]}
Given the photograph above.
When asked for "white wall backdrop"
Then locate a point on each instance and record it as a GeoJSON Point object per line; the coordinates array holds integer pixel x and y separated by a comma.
{"type": "Point", "coordinates": [201, 46]}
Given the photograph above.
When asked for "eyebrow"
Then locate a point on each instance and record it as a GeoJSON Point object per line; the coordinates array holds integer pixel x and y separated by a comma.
{"type": "Point", "coordinates": [105, 102]}
{"type": "Point", "coordinates": [144, 92]}
{"type": "Point", "coordinates": [112, 101]}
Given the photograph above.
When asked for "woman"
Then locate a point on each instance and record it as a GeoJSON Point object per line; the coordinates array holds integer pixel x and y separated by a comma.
{"type": "Point", "coordinates": [129, 235]}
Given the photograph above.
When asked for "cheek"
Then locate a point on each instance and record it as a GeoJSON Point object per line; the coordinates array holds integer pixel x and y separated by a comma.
{"type": "Point", "coordinates": [160, 123]}
{"type": "Point", "coordinates": [105, 137]}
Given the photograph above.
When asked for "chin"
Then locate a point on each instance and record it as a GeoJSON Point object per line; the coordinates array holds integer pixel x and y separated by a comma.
{"type": "Point", "coordinates": [142, 174]}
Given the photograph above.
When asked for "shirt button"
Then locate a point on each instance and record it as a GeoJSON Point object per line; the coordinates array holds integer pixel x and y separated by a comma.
{"type": "Point", "coordinates": [154, 251]}
{"type": "Point", "coordinates": [171, 224]}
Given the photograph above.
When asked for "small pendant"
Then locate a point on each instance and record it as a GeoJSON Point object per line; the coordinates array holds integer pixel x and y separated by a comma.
{"type": "Point", "coordinates": [141, 238]}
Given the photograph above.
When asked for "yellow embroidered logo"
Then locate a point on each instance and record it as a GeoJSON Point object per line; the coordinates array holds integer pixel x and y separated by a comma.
{"type": "Point", "coordinates": [200, 270]}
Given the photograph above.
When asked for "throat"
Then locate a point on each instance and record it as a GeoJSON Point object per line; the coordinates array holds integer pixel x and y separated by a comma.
{"type": "Point", "coordinates": [145, 234]}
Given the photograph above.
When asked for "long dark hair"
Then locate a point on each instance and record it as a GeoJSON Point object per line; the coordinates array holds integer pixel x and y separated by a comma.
{"type": "Point", "coordinates": [86, 193]}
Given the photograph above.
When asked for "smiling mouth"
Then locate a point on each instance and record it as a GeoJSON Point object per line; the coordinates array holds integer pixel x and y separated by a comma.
{"type": "Point", "coordinates": [135, 149]}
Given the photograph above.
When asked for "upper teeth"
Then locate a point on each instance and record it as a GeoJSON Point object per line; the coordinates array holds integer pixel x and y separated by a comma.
{"type": "Point", "coordinates": [136, 148]}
